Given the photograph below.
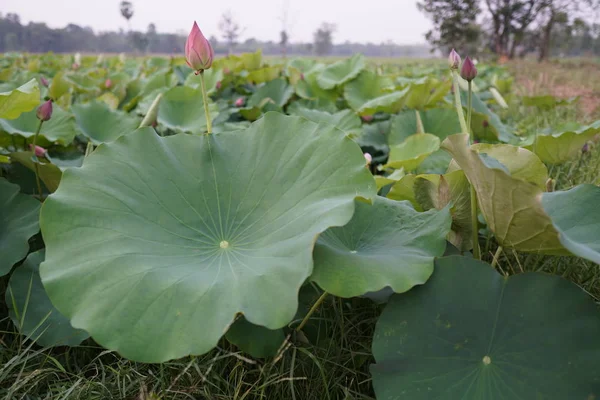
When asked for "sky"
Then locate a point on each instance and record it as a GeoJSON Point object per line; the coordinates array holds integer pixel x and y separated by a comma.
{"type": "Point", "coordinates": [356, 20]}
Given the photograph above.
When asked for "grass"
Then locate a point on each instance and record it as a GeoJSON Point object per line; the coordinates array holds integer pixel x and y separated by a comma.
{"type": "Point", "coordinates": [330, 362]}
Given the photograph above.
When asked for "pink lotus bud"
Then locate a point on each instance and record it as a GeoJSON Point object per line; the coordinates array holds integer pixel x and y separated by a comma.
{"type": "Point", "coordinates": [239, 102]}
{"type": "Point", "coordinates": [44, 112]}
{"type": "Point", "coordinates": [44, 81]}
{"type": "Point", "coordinates": [368, 158]}
{"type": "Point", "coordinates": [75, 66]}
{"type": "Point", "coordinates": [454, 60]}
{"type": "Point", "coordinates": [301, 76]}
{"type": "Point", "coordinates": [226, 71]}
{"type": "Point", "coordinates": [367, 118]}
{"type": "Point", "coordinates": [219, 84]}
{"type": "Point", "coordinates": [107, 83]}
{"type": "Point", "coordinates": [198, 51]}
{"type": "Point", "coordinates": [39, 151]}
{"type": "Point", "coordinates": [468, 71]}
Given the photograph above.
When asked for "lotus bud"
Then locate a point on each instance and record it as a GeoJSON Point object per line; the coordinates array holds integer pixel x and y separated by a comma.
{"type": "Point", "coordinates": [301, 76]}
{"type": "Point", "coordinates": [367, 118]}
{"type": "Point", "coordinates": [239, 102]}
{"type": "Point", "coordinates": [75, 66]}
{"type": "Point", "coordinates": [198, 51]}
{"type": "Point", "coordinates": [44, 81]}
{"type": "Point", "coordinates": [108, 83]}
{"type": "Point", "coordinates": [585, 148]}
{"type": "Point", "coordinates": [44, 112]}
{"type": "Point", "coordinates": [550, 185]}
{"type": "Point", "coordinates": [226, 71]}
{"type": "Point", "coordinates": [368, 158]}
{"type": "Point", "coordinates": [39, 151]}
{"type": "Point", "coordinates": [468, 71]}
{"type": "Point", "coordinates": [454, 60]}
{"type": "Point", "coordinates": [219, 85]}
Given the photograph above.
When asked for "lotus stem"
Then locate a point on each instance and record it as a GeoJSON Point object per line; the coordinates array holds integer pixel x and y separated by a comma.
{"type": "Point", "coordinates": [469, 111]}
{"type": "Point", "coordinates": [205, 101]}
{"type": "Point", "coordinates": [89, 148]}
{"type": "Point", "coordinates": [312, 310]}
{"type": "Point", "coordinates": [458, 103]}
{"type": "Point", "coordinates": [496, 256]}
{"type": "Point", "coordinates": [420, 128]}
{"type": "Point", "coordinates": [35, 165]}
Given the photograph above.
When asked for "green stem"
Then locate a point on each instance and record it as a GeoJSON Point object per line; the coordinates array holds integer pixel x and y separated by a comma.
{"type": "Point", "coordinates": [37, 169]}
{"type": "Point", "coordinates": [312, 310]}
{"type": "Point", "coordinates": [474, 221]}
{"type": "Point", "coordinates": [469, 111]}
{"type": "Point", "coordinates": [496, 256]}
{"type": "Point", "coordinates": [89, 148]}
{"type": "Point", "coordinates": [420, 128]}
{"type": "Point", "coordinates": [458, 103]}
{"type": "Point", "coordinates": [205, 101]}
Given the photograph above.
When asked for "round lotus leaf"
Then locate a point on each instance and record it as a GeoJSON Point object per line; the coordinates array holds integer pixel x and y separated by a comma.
{"type": "Point", "coordinates": [102, 124]}
{"type": "Point", "coordinates": [367, 86]}
{"type": "Point", "coordinates": [387, 244]}
{"type": "Point", "coordinates": [22, 99]}
{"type": "Point", "coordinates": [182, 110]}
{"type": "Point", "coordinates": [31, 310]}
{"type": "Point", "coordinates": [19, 215]}
{"type": "Point", "coordinates": [471, 334]}
{"type": "Point", "coordinates": [341, 72]}
{"type": "Point", "coordinates": [576, 217]}
{"type": "Point", "coordinates": [277, 92]}
{"type": "Point", "coordinates": [413, 151]}
{"type": "Point", "coordinates": [170, 238]}
{"type": "Point", "coordinates": [440, 122]}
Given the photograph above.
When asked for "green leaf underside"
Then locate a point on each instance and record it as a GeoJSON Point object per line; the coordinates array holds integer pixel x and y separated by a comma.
{"type": "Point", "coordinates": [341, 72]}
{"type": "Point", "coordinates": [387, 244]}
{"type": "Point", "coordinates": [413, 151]}
{"type": "Point", "coordinates": [22, 99]}
{"type": "Point", "coordinates": [155, 262]}
{"type": "Point", "coordinates": [255, 340]}
{"type": "Point", "coordinates": [34, 315]}
{"type": "Point", "coordinates": [511, 206]}
{"type": "Point", "coordinates": [472, 334]}
{"type": "Point", "coordinates": [576, 216]}
{"type": "Point", "coordinates": [18, 222]}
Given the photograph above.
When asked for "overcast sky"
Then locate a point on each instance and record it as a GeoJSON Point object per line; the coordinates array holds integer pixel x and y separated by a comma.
{"type": "Point", "coordinates": [356, 20]}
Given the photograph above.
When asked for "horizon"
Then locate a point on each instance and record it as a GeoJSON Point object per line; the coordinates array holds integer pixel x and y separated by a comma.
{"type": "Point", "coordinates": [397, 21]}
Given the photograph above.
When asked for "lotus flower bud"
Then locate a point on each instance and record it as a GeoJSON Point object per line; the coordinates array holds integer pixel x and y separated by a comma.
{"type": "Point", "coordinates": [75, 66]}
{"type": "Point", "coordinates": [468, 71]}
{"type": "Point", "coordinates": [198, 51]}
{"type": "Point", "coordinates": [39, 151]}
{"type": "Point", "coordinates": [44, 81]}
{"type": "Point", "coordinates": [107, 83]}
{"type": "Point", "coordinates": [550, 185]}
{"type": "Point", "coordinates": [454, 60]}
{"type": "Point", "coordinates": [226, 71]}
{"type": "Point", "coordinates": [239, 102]}
{"type": "Point", "coordinates": [219, 85]}
{"type": "Point", "coordinates": [44, 112]}
{"type": "Point", "coordinates": [367, 118]}
{"type": "Point", "coordinates": [368, 158]}
{"type": "Point", "coordinates": [301, 76]}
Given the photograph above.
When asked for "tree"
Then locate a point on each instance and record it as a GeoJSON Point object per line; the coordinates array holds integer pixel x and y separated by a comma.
{"type": "Point", "coordinates": [230, 30]}
{"type": "Point", "coordinates": [127, 11]}
{"type": "Point", "coordinates": [283, 41]}
{"type": "Point", "coordinates": [151, 37]}
{"type": "Point", "coordinates": [454, 24]}
{"type": "Point", "coordinates": [323, 38]}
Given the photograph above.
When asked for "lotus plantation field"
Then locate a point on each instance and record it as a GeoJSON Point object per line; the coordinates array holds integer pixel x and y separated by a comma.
{"type": "Point", "coordinates": [248, 227]}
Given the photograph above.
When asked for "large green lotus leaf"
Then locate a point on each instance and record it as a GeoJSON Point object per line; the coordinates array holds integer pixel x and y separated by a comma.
{"type": "Point", "coordinates": [367, 86]}
{"type": "Point", "coordinates": [403, 189]}
{"type": "Point", "coordinates": [576, 217]}
{"type": "Point", "coordinates": [60, 128]}
{"type": "Point", "coordinates": [521, 163]}
{"type": "Point", "coordinates": [108, 98]}
{"type": "Point", "coordinates": [341, 72]}
{"type": "Point", "coordinates": [22, 99]}
{"type": "Point", "coordinates": [472, 334]}
{"type": "Point", "coordinates": [441, 122]}
{"type": "Point", "coordinates": [182, 109]}
{"type": "Point", "coordinates": [50, 174]}
{"type": "Point", "coordinates": [18, 222]}
{"type": "Point", "coordinates": [101, 124]}
{"type": "Point", "coordinates": [427, 93]}
{"type": "Point", "coordinates": [388, 103]}
{"type": "Point", "coordinates": [309, 89]}
{"type": "Point", "coordinates": [169, 238]}
{"type": "Point", "coordinates": [31, 310]}
{"type": "Point", "coordinates": [263, 75]}
{"type": "Point", "coordinates": [158, 82]}
{"type": "Point", "coordinates": [482, 113]}
{"type": "Point", "coordinates": [511, 206]}
{"type": "Point", "coordinates": [83, 83]}
{"type": "Point", "coordinates": [345, 120]}
{"type": "Point", "coordinates": [255, 340]}
{"type": "Point", "coordinates": [387, 244]}
{"type": "Point", "coordinates": [277, 92]}
{"type": "Point", "coordinates": [449, 190]}
{"type": "Point", "coordinates": [211, 78]}
{"type": "Point", "coordinates": [560, 147]}
{"type": "Point", "coordinates": [410, 153]}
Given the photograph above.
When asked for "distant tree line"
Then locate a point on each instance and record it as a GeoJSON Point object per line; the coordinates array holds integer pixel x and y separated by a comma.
{"type": "Point", "coordinates": [514, 28]}
{"type": "Point", "coordinates": [38, 37]}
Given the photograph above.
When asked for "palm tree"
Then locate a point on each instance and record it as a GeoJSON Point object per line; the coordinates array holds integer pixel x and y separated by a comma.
{"type": "Point", "coordinates": [127, 11]}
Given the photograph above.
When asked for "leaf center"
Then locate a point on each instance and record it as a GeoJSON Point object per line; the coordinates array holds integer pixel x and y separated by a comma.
{"type": "Point", "coordinates": [487, 360]}
{"type": "Point", "coordinates": [224, 244]}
